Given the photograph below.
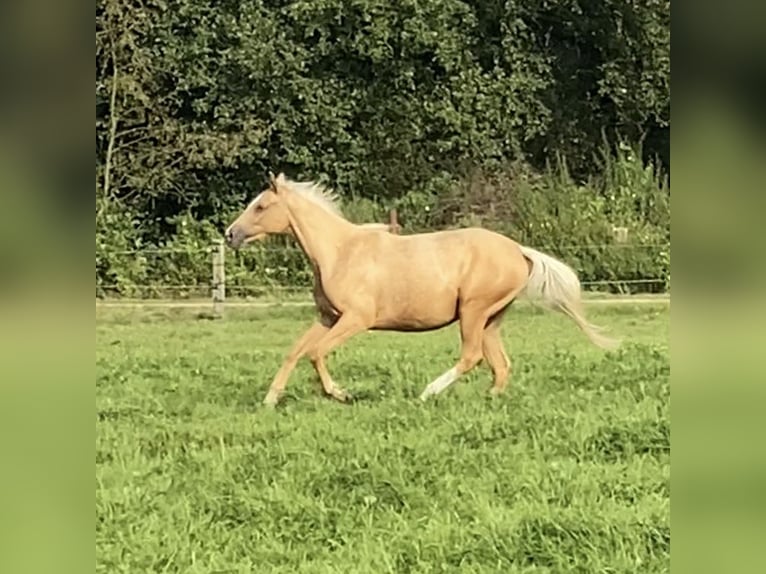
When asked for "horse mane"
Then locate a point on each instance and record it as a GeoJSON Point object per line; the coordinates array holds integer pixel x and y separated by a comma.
{"type": "Point", "coordinates": [321, 195]}
{"type": "Point", "coordinates": [324, 197]}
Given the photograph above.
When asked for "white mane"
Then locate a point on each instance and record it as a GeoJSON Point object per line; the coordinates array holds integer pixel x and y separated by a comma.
{"type": "Point", "coordinates": [315, 192]}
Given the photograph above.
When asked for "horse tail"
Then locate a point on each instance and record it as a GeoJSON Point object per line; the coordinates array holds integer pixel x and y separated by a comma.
{"type": "Point", "coordinates": [557, 286]}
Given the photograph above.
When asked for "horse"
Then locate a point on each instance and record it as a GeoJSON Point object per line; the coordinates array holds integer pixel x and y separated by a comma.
{"type": "Point", "coordinates": [366, 279]}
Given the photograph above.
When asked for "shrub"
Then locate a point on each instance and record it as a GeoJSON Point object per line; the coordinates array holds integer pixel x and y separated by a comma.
{"type": "Point", "coordinates": [547, 210]}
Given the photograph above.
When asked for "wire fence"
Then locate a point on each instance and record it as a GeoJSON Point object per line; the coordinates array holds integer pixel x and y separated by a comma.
{"type": "Point", "coordinates": [210, 248]}
{"type": "Point", "coordinates": [282, 272]}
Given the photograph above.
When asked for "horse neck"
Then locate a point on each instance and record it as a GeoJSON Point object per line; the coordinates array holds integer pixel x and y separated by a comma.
{"type": "Point", "coordinates": [319, 232]}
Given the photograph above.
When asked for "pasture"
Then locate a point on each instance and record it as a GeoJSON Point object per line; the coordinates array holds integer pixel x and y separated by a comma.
{"type": "Point", "coordinates": [567, 472]}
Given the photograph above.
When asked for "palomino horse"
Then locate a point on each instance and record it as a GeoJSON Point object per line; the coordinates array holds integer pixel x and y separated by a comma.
{"type": "Point", "coordinates": [366, 279]}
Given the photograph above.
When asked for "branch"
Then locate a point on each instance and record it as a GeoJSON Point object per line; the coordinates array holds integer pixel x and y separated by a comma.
{"type": "Point", "coordinates": [112, 134]}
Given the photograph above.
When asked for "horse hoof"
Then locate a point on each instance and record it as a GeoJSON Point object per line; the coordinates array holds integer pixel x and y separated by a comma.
{"type": "Point", "coordinates": [270, 402]}
{"type": "Point", "coordinates": [340, 395]}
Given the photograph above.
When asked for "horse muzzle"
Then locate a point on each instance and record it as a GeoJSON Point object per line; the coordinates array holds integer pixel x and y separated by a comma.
{"type": "Point", "coordinates": [234, 237]}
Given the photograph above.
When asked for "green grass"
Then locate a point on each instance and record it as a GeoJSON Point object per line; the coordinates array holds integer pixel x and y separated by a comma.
{"type": "Point", "coordinates": [567, 472]}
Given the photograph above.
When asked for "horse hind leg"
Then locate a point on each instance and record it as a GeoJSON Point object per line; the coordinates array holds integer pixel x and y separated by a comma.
{"type": "Point", "coordinates": [471, 331]}
{"type": "Point", "coordinates": [495, 355]}
{"type": "Point", "coordinates": [480, 337]}
{"type": "Point", "coordinates": [492, 344]}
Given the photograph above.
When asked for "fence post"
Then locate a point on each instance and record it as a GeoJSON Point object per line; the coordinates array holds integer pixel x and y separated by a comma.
{"type": "Point", "coordinates": [393, 222]}
{"type": "Point", "coordinates": [620, 234]}
{"type": "Point", "coordinates": [219, 277]}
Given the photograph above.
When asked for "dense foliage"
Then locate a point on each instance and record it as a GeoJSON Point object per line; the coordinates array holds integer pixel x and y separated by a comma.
{"type": "Point", "coordinates": [392, 102]}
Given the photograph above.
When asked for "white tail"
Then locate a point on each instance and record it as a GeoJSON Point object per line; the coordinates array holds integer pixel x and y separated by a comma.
{"type": "Point", "coordinates": [557, 285]}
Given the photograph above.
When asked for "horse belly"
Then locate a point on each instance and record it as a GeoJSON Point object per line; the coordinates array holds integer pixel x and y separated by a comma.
{"type": "Point", "coordinates": [414, 325]}
{"type": "Point", "coordinates": [403, 310]}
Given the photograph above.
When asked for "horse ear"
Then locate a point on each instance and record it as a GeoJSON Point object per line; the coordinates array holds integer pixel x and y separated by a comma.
{"type": "Point", "coordinates": [277, 182]}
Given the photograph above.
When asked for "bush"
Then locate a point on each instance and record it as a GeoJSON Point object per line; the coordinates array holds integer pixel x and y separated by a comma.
{"type": "Point", "coordinates": [576, 222]}
{"type": "Point", "coordinates": [198, 100]}
{"type": "Point", "coordinates": [547, 210]}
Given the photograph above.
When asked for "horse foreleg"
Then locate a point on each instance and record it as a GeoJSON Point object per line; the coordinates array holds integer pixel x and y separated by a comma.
{"type": "Point", "coordinates": [345, 328]}
{"type": "Point", "coordinates": [311, 336]}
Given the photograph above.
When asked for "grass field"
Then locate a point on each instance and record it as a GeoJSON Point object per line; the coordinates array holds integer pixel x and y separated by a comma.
{"type": "Point", "coordinates": [567, 472]}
